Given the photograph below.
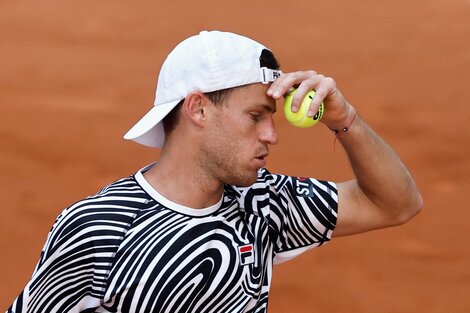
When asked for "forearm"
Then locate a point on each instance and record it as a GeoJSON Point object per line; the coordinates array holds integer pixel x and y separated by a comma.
{"type": "Point", "coordinates": [383, 193]}
{"type": "Point", "coordinates": [380, 174]}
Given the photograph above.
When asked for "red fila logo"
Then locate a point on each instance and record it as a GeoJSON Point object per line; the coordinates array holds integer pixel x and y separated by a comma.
{"type": "Point", "coordinates": [246, 254]}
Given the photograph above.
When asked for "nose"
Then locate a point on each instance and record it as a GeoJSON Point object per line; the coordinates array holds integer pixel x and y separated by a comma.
{"type": "Point", "coordinates": [268, 133]}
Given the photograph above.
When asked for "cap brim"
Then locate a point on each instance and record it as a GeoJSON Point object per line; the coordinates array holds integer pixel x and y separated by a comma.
{"type": "Point", "coordinates": [149, 130]}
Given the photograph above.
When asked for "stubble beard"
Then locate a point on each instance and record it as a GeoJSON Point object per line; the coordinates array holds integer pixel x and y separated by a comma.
{"type": "Point", "coordinates": [221, 162]}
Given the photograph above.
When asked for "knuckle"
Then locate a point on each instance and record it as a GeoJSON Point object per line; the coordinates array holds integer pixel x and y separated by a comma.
{"type": "Point", "coordinates": [330, 81]}
{"type": "Point", "coordinates": [298, 74]}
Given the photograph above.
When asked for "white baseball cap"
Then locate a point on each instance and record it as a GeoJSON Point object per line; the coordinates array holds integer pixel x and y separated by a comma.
{"type": "Point", "coordinates": [207, 62]}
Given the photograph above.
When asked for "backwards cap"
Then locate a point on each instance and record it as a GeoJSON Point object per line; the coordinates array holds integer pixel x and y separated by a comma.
{"type": "Point", "coordinates": [206, 62]}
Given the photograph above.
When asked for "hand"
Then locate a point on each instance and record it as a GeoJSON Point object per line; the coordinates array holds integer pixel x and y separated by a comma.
{"type": "Point", "coordinates": [383, 192]}
{"type": "Point", "coordinates": [338, 112]}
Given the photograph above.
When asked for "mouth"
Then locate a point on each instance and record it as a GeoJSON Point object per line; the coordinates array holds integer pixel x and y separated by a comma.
{"type": "Point", "coordinates": [261, 158]}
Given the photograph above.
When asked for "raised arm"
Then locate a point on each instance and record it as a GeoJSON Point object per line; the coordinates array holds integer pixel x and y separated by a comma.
{"type": "Point", "coordinates": [383, 192]}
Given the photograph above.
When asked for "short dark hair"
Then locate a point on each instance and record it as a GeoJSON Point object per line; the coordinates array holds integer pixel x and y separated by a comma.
{"type": "Point", "coordinates": [171, 119]}
{"type": "Point", "coordinates": [267, 59]}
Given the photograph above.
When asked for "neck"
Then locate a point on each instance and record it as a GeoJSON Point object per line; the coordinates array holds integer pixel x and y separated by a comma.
{"type": "Point", "coordinates": [179, 178]}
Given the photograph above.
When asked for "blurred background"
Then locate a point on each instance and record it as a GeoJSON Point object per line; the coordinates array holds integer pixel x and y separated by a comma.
{"type": "Point", "coordinates": [76, 75]}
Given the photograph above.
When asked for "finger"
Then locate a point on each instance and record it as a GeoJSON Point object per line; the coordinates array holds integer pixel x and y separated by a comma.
{"type": "Point", "coordinates": [286, 81]}
{"type": "Point", "coordinates": [323, 87]}
{"type": "Point", "coordinates": [302, 90]}
{"type": "Point", "coordinates": [312, 83]}
{"type": "Point", "coordinates": [326, 86]}
{"type": "Point", "coordinates": [274, 89]}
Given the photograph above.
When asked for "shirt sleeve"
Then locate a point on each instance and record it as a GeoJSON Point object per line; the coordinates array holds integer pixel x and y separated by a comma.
{"type": "Point", "coordinates": [303, 212]}
{"type": "Point", "coordinates": [71, 273]}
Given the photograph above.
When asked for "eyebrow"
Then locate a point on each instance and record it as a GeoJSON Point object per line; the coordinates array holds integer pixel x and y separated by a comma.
{"type": "Point", "coordinates": [268, 108]}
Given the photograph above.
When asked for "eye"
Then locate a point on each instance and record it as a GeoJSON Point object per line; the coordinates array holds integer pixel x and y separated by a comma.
{"type": "Point", "coordinates": [255, 117]}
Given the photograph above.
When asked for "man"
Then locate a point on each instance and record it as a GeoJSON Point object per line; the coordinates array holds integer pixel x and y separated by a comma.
{"type": "Point", "coordinates": [200, 230]}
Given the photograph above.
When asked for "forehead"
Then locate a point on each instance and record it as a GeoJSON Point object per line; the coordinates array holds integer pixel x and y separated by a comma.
{"type": "Point", "coordinates": [251, 96]}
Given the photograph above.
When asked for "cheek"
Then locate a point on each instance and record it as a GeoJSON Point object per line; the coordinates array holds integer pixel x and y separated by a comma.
{"type": "Point", "coordinates": [239, 131]}
{"type": "Point", "coordinates": [230, 127]}
{"type": "Point", "coordinates": [223, 138]}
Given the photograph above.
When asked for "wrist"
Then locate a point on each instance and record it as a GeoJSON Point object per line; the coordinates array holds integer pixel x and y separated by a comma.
{"type": "Point", "coordinates": [345, 125]}
{"type": "Point", "coordinates": [344, 122]}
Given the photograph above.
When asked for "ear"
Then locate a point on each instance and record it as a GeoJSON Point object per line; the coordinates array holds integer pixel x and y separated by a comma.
{"type": "Point", "coordinates": [195, 107]}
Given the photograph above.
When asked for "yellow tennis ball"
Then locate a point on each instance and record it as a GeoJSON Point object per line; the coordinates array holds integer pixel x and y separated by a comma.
{"type": "Point", "coordinates": [300, 118]}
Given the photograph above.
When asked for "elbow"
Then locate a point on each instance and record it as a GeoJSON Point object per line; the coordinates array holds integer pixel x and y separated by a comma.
{"type": "Point", "coordinates": [410, 210]}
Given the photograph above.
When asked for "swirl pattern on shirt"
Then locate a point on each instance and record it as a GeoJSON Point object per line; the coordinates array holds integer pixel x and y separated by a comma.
{"type": "Point", "coordinates": [126, 250]}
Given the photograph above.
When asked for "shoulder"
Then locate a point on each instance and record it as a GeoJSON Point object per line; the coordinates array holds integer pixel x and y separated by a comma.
{"type": "Point", "coordinates": [281, 191]}
{"type": "Point", "coordinates": [302, 186]}
{"type": "Point", "coordinates": [123, 194]}
{"type": "Point", "coordinates": [114, 207]}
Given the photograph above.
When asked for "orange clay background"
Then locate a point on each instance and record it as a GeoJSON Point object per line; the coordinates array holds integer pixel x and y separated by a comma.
{"type": "Point", "coordinates": [75, 75]}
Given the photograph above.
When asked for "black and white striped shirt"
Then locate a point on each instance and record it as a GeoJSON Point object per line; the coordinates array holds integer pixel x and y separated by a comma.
{"type": "Point", "coordinates": [128, 249]}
